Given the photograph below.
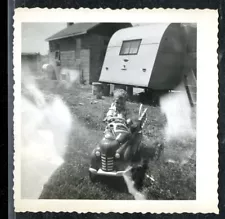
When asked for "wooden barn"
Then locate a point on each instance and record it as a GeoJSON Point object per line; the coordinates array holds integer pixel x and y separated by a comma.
{"type": "Point", "coordinates": [82, 46]}
{"type": "Point", "coordinates": [32, 61]}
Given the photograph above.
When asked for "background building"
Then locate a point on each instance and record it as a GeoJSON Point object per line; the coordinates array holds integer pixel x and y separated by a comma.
{"type": "Point", "coordinates": [82, 46]}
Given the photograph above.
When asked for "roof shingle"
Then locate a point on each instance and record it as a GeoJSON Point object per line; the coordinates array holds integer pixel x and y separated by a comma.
{"type": "Point", "coordinates": [72, 30]}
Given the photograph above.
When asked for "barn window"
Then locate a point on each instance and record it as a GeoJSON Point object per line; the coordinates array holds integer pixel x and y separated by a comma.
{"type": "Point", "coordinates": [130, 47]}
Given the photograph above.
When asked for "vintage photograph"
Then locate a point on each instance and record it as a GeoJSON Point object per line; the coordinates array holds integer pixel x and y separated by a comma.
{"type": "Point", "coordinates": [108, 110]}
{"type": "Point", "coordinates": [118, 102]}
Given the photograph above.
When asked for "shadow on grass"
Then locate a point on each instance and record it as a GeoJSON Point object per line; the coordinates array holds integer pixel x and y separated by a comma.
{"type": "Point", "coordinates": [115, 183]}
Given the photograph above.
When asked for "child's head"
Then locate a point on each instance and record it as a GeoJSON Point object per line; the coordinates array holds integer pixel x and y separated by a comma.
{"type": "Point", "coordinates": [119, 98]}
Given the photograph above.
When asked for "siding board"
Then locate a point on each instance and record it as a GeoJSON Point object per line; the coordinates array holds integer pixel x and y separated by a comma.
{"type": "Point", "coordinates": [85, 64]}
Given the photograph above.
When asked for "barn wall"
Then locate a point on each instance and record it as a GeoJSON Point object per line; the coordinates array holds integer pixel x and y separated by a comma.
{"type": "Point", "coordinates": [85, 66]}
{"type": "Point", "coordinates": [69, 53]}
{"type": "Point", "coordinates": [97, 45]}
{"type": "Point", "coordinates": [68, 44]}
{"type": "Point", "coordinates": [68, 59]}
{"type": "Point", "coordinates": [78, 52]}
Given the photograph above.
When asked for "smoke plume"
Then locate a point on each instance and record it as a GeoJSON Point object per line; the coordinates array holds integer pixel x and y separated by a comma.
{"type": "Point", "coordinates": [69, 77]}
{"type": "Point", "coordinates": [45, 129]}
{"type": "Point", "coordinates": [179, 131]}
{"type": "Point", "coordinates": [178, 112]}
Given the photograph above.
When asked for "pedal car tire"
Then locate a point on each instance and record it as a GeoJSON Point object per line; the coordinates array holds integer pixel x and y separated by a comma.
{"type": "Point", "coordinates": [92, 177]}
{"type": "Point", "coordinates": [138, 176]}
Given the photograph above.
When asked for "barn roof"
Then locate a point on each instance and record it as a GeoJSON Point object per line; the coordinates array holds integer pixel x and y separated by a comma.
{"type": "Point", "coordinates": [72, 30]}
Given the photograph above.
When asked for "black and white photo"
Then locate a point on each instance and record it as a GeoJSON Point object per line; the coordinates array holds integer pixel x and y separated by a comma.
{"type": "Point", "coordinates": [114, 111]}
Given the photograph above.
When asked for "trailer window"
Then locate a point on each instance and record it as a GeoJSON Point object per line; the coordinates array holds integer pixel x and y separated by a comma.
{"type": "Point", "coordinates": [130, 47]}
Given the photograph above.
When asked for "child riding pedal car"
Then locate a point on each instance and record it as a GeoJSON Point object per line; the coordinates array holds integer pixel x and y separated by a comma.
{"type": "Point", "coordinates": [118, 114]}
{"type": "Point", "coordinates": [121, 142]}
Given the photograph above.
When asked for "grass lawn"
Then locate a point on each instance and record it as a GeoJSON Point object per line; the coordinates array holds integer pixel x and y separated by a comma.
{"type": "Point", "coordinates": [71, 181]}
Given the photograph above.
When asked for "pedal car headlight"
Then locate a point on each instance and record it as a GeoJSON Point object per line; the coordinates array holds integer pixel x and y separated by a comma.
{"type": "Point", "coordinates": [117, 155]}
{"type": "Point", "coordinates": [97, 153]}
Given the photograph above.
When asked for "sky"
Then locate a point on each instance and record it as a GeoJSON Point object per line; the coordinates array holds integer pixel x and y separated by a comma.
{"type": "Point", "coordinates": [34, 35]}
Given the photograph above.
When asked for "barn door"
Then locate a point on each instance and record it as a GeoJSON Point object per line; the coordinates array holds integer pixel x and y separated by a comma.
{"type": "Point", "coordinates": [85, 66]}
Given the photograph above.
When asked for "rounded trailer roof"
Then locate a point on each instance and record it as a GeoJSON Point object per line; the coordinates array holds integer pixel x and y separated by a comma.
{"type": "Point", "coordinates": [149, 33]}
{"type": "Point", "coordinates": [159, 61]}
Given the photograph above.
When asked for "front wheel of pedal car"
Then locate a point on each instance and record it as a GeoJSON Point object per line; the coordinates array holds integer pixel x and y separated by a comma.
{"type": "Point", "coordinates": [138, 175]}
{"type": "Point", "coordinates": [92, 177]}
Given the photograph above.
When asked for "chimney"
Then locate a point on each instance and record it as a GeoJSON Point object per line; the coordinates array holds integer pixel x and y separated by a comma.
{"type": "Point", "coordinates": [69, 24]}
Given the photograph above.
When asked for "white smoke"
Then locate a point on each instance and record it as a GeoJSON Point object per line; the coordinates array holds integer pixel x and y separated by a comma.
{"type": "Point", "coordinates": [179, 131]}
{"type": "Point", "coordinates": [178, 112]}
{"type": "Point", "coordinates": [69, 77]}
{"type": "Point", "coordinates": [45, 131]}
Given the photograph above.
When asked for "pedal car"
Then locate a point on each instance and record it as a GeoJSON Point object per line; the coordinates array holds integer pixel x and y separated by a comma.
{"type": "Point", "coordinates": [119, 147]}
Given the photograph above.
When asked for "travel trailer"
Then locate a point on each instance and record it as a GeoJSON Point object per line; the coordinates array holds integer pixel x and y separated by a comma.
{"type": "Point", "coordinates": [153, 56]}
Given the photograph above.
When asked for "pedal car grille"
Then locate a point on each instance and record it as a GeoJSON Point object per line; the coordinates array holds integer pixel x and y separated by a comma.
{"type": "Point", "coordinates": [107, 163]}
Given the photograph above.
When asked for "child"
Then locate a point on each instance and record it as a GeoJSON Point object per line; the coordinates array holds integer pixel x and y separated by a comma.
{"type": "Point", "coordinates": [118, 107]}
{"type": "Point", "coordinates": [118, 110]}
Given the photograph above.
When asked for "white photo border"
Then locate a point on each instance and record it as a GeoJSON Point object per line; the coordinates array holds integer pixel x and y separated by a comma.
{"type": "Point", "coordinates": [207, 109]}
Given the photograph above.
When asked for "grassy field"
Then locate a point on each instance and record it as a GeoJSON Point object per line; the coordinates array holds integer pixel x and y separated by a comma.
{"type": "Point", "coordinates": [71, 181]}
